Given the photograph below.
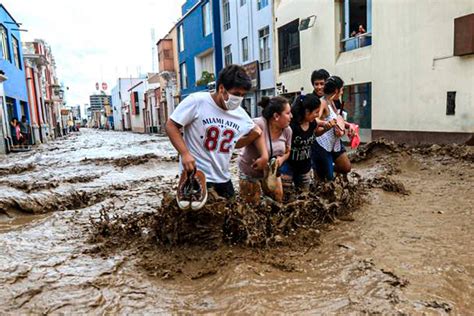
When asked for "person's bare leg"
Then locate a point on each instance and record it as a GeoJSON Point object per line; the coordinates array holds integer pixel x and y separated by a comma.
{"type": "Point", "coordinates": [342, 164]}
{"type": "Point", "coordinates": [249, 191]}
{"type": "Point", "coordinates": [277, 194]}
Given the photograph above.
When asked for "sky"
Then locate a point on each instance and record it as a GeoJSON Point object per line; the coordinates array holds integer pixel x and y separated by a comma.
{"type": "Point", "coordinates": [96, 40]}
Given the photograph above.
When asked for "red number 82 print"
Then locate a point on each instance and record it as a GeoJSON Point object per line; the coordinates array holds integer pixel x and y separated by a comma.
{"type": "Point", "coordinates": [213, 134]}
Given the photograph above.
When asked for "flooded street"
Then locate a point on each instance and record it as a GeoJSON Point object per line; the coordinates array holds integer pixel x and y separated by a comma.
{"type": "Point", "coordinates": [406, 249]}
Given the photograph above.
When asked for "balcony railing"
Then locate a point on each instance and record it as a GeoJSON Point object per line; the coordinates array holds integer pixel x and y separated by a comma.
{"type": "Point", "coordinates": [358, 41]}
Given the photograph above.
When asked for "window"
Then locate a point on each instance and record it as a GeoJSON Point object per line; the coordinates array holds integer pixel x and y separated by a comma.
{"type": "Point", "coordinates": [245, 49]}
{"type": "Point", "coordinates": [4, 43]}
{"type": "Point", "coordinates": [184, 76]}
{"type": "Point", "coordinates": [243, 2]}
{"type": "Point", "coordinates": [264, 47]}
{"type": "Point", "coordinates": [289, 46]}
{"type": "Point", "coordinates": [16, 53]}
{"type": "Point", "coordinates": [358, 104]}
{"type": "Point", "coordinates": [451, 103]}
{"type": "Point", "coordinates": [181, 38]}
{"type": "Point", "coordinates": [228, 55]}
{"type": "Point", "coordinates": [357, 24]}
{"type": "Point", "coordinates": [135, 103]}
{"type": "Point", "coordinates": [226, 9]}
{"type": "Point", "coordinates": [207, 19]}
{"type": "Point", "coordinates": [204, 68]}
{"type": "Point", "coordinates": [261, 4]}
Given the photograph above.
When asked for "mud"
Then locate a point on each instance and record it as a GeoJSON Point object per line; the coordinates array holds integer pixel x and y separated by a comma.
{"type": "Point", "coordinates": [221, 224]}
{"type": "Point", "coordinates": [129, 160]}
{"type": "Point", "coordinates": [16, 169]}
{"type": "Point", "coordinates": [95, 230]}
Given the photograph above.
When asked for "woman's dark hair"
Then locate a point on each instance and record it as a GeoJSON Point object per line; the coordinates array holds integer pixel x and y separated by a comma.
{"type": "Point", "coordinates": [234, 76]}
{"type": "Point", "coordinates": [271, 106]}
{"type": "Point", "coordinates": [304, 104]}
{"type": "Point", "coordinates": [332, 84]}
{"type": "Point", "coordinates": [320, 74]}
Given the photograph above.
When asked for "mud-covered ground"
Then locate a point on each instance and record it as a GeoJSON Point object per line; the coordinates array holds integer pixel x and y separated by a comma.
{"type": "Point", "coordinates": [87, 225]}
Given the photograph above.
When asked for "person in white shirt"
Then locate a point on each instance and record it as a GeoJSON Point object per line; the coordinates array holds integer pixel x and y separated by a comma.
{"type": "Point", "coordinates": [213, 126]}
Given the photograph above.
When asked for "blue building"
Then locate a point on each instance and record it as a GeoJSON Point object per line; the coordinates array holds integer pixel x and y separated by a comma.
{"type": "Point", "coordinates": [199, 45]}
{"type": "Point", "coordinates": [14, 102]}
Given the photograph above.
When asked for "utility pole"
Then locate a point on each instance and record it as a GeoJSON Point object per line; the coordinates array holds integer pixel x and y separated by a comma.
{"type": "Point", "coordinates": [153, 50]}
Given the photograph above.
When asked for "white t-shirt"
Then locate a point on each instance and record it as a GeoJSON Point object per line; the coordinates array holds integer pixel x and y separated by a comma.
{"type": "Point", "coordinates": [210, 133]}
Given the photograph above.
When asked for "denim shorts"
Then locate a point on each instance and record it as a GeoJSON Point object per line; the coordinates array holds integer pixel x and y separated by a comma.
{"type": "Point", "coordinates": [323, 161]}
{"type": "Point", "coordinates": [243, 176]}
{"type": "Point", "coordinates": [300, 180]}
{"type": "Point", "coordinates": [225, 189]}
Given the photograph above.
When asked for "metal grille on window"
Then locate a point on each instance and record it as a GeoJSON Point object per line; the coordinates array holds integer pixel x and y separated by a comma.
{"type": "Point", "coordinates": [226, 9]}
{"type": "Point", "coordinates": [264, 48]}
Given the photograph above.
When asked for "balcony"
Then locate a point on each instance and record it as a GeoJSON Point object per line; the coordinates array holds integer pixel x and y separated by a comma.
{"type": "Point", "coordinates": [358, 41]}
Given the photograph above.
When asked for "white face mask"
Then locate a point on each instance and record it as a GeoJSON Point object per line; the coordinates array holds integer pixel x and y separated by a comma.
{"type": "Point", "coordinates": [233, 102]}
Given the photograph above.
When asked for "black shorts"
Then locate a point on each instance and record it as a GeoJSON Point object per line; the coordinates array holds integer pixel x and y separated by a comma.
{"type": "Point", "coordinates": [225, 189]}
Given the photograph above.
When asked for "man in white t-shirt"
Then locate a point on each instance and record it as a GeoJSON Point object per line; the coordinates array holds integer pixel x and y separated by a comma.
{"type": "Point", "coordinates": [213, 126]}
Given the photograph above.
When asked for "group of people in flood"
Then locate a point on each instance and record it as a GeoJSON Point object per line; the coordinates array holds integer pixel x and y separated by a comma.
{"type": "Point", "coordinates": [291, 144]}
{"type": "Point", "coordinates": [20, 131]}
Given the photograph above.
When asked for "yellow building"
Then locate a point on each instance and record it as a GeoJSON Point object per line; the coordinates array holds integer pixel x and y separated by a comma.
{"type": "Point", "coordinates": [403, 78]}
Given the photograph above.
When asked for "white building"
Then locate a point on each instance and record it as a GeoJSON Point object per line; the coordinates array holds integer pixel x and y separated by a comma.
{"type": "Point", "coordinates": [403, 79]}
{"type": "Point", "coordinates": [121, 101]}
{"type": "Point", "coordinates": [152, 103]}
{"type": "Point", "coordinates": [247, 32]}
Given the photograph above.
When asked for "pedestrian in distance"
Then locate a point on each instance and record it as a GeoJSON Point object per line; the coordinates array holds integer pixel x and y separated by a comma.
{"type": "Point", "coordinates": [25, 130]}
{"type": "Point", "coordinates": [274, 123]}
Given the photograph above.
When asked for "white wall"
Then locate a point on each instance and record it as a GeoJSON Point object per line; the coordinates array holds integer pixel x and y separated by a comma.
{"type": "Point", "coordinates": [122, 86]}
{"type": "Point", "coordinates": [408, 89]}
{"type": "Point", "coordinates": [137, 120]}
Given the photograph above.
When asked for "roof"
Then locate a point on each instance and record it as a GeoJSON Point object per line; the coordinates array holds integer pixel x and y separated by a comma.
{"type": "Point", "coordinates": [164, 39]}
{"type": "Point", "coordinates": [189, 12]}
{"type": "Point", "coordinates": [13, 19]}
{"type": "Point", "coordinates": [129, 90]}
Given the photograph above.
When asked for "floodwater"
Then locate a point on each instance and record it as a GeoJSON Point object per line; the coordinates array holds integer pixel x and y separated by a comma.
{"type": "Point", "coordinates": [407, 249]}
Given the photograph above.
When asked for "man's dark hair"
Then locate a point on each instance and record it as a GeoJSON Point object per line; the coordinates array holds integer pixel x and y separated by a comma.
{"type": "Point", "coordinates": [234, 76]}
{"type": "Point", "coordinates": [320, 74]}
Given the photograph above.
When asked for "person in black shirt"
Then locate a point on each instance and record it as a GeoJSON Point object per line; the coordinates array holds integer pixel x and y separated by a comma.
{"type": "Point", "coordinates": [297, 169]}
{"type": "Point", "coordinates": [318, 79]}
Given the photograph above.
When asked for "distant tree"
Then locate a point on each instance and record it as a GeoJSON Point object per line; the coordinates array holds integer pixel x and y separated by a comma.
{"type": "Point", "coordinates": [206, 77]}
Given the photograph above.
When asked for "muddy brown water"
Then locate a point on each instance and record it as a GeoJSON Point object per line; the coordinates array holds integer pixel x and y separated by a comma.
{"type": "Point", "coordinates": [407, 249]}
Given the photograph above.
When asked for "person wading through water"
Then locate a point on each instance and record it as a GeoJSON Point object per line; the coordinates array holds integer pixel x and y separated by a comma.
{"type": "Point", "coordinates": [213, 126]}
{"type": "Point", "coordinates": [329, 154]}
{"type": "Point", "coordinates": [274, 123]}
{"type": "Point", "coordinates": [305, 127]}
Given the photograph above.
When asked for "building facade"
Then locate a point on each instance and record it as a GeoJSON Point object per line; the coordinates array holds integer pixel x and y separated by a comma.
{"type": "Point", "coordinates": [121, 102]}
{"type": "Point", "coordinates": [136, 108]}
{"type": "Point", "coordinates": [247, 39]}
{"type": "Point", "coordinates": [38, 70]}
{"type": "Point", "coordinates": [199, 45]}
{"type": "Point", "coordinates": [101, 110]}
{"type": "Point", "coordinates": [14, 103]}
{"type": "Point", "coordinates": [3, 123]}
{"type": "Point", "coordinates": [403, 80]}
{"type": "Point", "coordinates": [152, 103]}
{"type": "Point", "coordinates": [169, 82]}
